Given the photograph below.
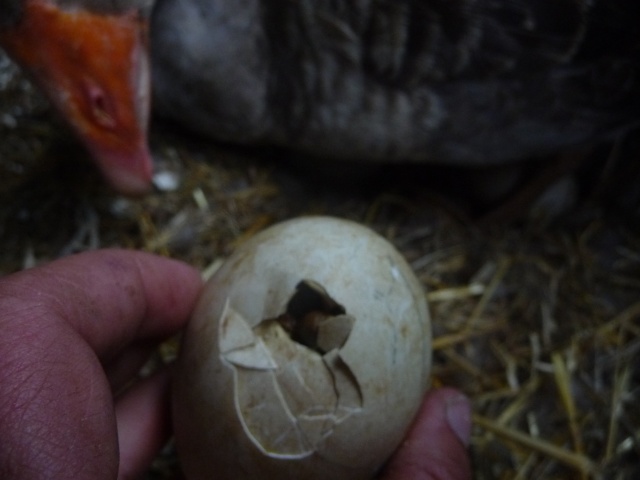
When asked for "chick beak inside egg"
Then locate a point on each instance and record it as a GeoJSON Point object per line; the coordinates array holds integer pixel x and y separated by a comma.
{"type": "Point", "coordinates": [314, 319]}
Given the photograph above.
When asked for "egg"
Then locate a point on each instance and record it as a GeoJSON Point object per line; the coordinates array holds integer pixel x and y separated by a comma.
{"type": "Point", "coordinates": [307, 357]}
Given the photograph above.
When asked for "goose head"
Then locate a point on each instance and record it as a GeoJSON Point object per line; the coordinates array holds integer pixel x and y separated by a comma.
{"type": "Point", "coordinates": [90, 57]}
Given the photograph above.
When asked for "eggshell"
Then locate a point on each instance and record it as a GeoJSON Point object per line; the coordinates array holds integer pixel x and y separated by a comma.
{"type": "Point", "coordinates": [250, 402]}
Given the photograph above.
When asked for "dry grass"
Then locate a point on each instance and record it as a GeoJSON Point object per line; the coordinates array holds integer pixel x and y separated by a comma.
{"type": "Point", "coordinates": [538, 322]}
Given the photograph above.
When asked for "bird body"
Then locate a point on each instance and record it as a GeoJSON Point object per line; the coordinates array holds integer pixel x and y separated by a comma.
{"type": "Point", "coordinates": [466, 82]}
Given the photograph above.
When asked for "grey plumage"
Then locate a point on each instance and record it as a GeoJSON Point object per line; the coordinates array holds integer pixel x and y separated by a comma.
{"type": "Point", "coordinates": [460, 82]}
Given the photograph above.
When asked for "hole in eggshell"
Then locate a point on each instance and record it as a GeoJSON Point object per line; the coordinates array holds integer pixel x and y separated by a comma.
{"type": "Point", "coordinates": [314, 319]}
{"type": "Point", "coordinates": [291, 385]}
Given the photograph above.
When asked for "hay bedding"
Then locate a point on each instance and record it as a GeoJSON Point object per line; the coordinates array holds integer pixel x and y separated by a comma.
{"type": "Point", "coordinates": [537, 320]}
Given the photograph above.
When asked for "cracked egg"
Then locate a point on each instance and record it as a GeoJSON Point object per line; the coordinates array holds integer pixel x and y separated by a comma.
{"type": "Point", "coordinates": [307, 356]}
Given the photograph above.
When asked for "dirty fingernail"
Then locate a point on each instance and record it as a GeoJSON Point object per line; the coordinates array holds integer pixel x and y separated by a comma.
{"type": "Point", "coordinates": [458, 411]}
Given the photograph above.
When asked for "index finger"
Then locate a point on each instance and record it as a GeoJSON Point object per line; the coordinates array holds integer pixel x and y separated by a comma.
{"type": "Point", "coordinates": [109, 297]}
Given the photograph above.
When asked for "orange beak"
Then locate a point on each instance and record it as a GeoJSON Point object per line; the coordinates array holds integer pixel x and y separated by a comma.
{"type": "Point", "coordinates": [94, 69]}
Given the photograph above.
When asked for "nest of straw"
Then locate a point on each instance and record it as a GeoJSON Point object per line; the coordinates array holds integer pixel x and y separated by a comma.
{"type": "Point", "coordinates": [536, 314]}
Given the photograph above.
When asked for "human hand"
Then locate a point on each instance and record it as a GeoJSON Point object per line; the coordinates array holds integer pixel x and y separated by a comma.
{"type": "Point", "coordinates": [74, 332]}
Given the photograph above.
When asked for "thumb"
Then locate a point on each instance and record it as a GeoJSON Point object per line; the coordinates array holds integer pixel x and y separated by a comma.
{"type": "Point", "coordinates": [436, 445]}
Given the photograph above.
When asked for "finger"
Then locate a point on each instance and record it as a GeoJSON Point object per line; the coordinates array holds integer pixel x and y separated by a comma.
{"type": "Point", "coordinates": [109, 297]}
{"type": "Point", "coordinates": [143, 419]}
{"type": "Point", "coordinates": [436, 446]}
{"type": "Point", "coordinates": [124, 368]}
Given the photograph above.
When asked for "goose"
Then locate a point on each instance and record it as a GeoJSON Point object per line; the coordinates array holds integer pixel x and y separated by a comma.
{"type": "Point", "coordinates": [453, 82]}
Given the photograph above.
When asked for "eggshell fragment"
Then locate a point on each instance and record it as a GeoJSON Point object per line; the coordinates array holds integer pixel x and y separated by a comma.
{"type": "Point", "coordinates": [307, 357]}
